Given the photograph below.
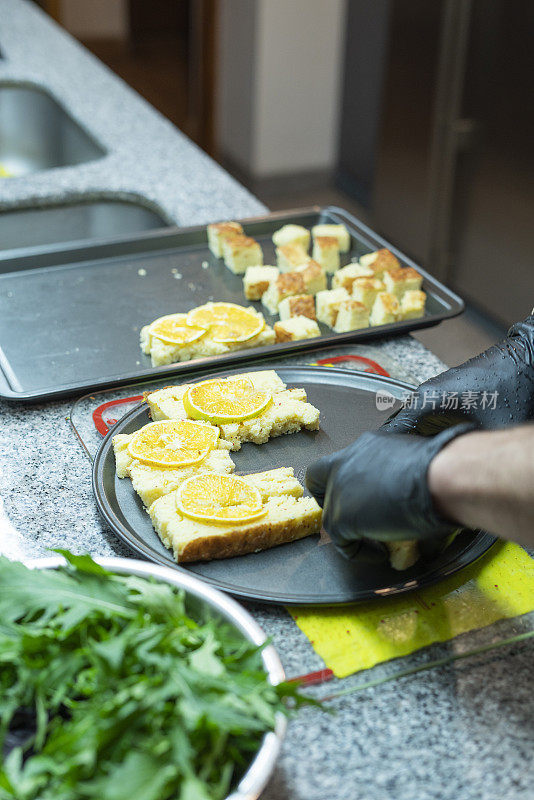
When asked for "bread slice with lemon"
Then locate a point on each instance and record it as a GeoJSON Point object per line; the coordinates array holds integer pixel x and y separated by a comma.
{"type": "Point", "coordinates": [161, 455]}
{"type": "Point", "coordinates": [251, 407]}
{"type": "Point", "coordinates": [215, 516]}
{"type": "Point", "coordinates": [208, 330]}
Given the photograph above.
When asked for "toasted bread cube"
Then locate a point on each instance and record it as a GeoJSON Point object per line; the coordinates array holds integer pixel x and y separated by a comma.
{"type": "Point", "coordinates": [326, 252]}
{"type": "Point", "coordinates": [292, 234]}
{"type": "Point", "coordinates": [365, 290]}
{"type": "Point", "coordinates": [328, 303]}
{"type": "Point", "coordinates": [257, 280]}
{"type": "Point", "coordinates": [413, 304]}
{"type": "Point", "coordinates": [240, 252]}
{"type": "Point", "coordinates": [300, 305]}
{"type": "Point", "coordinates": [218, 231]}
{"type": "Point", "coordinates": [291, 256]}
{"type": "Point", "coordinates": [380, 261]}
{"type": "Point", "coordinates": [339, 231]}
{"type": "Point", "coordinates": [285, 285]}
{"type": "Point", "coordinates": [314, 277]}
{"type": "Point", "coordinates": [404, 279]}
{"type": "Point", "coordinates": [344, 278]}
{"type": "Point", "coordinates": [386, 308]}
{"type": "Point", "coordinates": [289, 330]}
{"type": "Point", "coordinates": [351, 316]}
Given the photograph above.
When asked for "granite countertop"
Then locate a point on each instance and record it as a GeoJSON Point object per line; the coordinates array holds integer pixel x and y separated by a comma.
{"type": "Point", "coordinates": [462, 732]}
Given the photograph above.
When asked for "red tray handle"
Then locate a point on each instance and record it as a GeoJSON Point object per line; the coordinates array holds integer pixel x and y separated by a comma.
{"type": "Point", "coordinates": [372, 365]}
{"type": "Point", "coordinates": [100, 425]}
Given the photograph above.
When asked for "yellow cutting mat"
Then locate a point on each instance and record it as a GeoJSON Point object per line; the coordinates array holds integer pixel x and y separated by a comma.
{"type": "Point", "coordinates": [352, 638]}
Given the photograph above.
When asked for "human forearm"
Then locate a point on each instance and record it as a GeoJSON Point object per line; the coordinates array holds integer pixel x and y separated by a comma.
{"type": "Point", "coordinates": [486, 480]}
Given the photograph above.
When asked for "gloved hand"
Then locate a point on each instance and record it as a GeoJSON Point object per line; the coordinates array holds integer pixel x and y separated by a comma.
{"type": "Point", "coordinates": [492, 390]}
{"type": "Point", "coordinates": [376, 489]}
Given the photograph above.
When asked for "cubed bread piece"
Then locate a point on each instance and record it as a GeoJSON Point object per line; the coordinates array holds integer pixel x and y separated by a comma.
{"type": "Point", "coordinates": [365, 290]}
{"type": "Point", "coordinates": [240, 252]}
{"type": "Point", "coordinates": [290, 256]}
{"type": "Point", "coordinates": [326, 252]}
{"type": "Point", "coordinates": [403, 554]}
{"type": "Point", "coordinates": [218, 231]}
{"type": "Point", "coordinates": [285, 285]}
{"type": "Point", "coordinates": [351, 316]}
{"type": "Point", "coordinates": [380, 261]}
{"type": "Point", "coordinates": [292, 234]}
{"type": "Point", "coordinates": [345, 277]}
{"type": "Point", "coordinates": [403, 279]}
{"type": "Point", "coordinates": [300, 305]}
{"type": "Point", "coordinates": [339, 231]}
{"type": "Point", "coordinates": [327, 305]}
{"type": "Point", "coordinates": [314, 277]}
{"type": "Point", "coordinates": [413, 304]}
{"type": "Point", "coordinates": [386, 308]}
{"type": "Point", "coordinates": [288, 516]}
{"type": "Point", "coordinates": [296, 328]}
{"type": "Point", "coordinates": [257, 280]}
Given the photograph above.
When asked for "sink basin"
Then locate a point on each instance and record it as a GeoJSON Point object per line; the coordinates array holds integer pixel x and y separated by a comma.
{"type": "Point", "coordinates": [36, 133]}
{"type": "Point", "coordinates": [69, 222]}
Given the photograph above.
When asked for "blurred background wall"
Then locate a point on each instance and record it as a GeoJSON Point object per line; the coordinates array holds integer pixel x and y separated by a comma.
{"type": "Point", "coordinates": [415, 115]}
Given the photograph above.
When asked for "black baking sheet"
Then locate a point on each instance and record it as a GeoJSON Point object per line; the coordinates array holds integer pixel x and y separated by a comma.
{"type": "Point", "coordinates": [309, 571]}
{"type": "Point", "coordinates": [70, 318]}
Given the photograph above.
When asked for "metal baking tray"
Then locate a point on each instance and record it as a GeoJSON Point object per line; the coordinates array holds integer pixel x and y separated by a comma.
{"type": "Point", "coordinates": [70, 317]}
{"type": "Point", "coordinates": [309, 570]}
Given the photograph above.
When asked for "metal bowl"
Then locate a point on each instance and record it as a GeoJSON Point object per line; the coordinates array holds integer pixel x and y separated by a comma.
{"type": "Point", "coordinates": [255, 778]}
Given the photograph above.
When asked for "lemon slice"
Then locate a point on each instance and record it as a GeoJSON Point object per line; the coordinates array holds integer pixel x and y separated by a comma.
{"type": "Point", "coordinates": [173, 442]}
{"type": "Point", "coordinates": [228, 322]}
{"type": "Point", "coordinates": [228, 400]}
{"type": "Point", "coordinates": [222, 499]}
{"type": "Point", "coordinates": [174, 329]}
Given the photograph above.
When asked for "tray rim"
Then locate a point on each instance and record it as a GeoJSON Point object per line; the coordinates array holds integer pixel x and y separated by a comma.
{"type": "Point", "coordinates": [91, 250]}
{"type": "Point", "coordinates": [481, 544]}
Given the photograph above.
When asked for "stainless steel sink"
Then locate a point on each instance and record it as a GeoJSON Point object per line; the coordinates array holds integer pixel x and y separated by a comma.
{"type": "Point", "coordinates": [69, 222]}
{"type": "Point", "coordinates": [36, 133]}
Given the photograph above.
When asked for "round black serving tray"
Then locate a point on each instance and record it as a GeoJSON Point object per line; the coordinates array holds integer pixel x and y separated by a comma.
{"type": "Point", "coordinates": [309, 571]}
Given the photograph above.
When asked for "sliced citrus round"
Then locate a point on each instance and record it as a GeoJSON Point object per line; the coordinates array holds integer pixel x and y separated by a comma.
{"type": "Point", "coordinates": [228, 322]}
{"type": "Point", "coordinates": [174, 329]}
{"type": "Point", "coordinates": [222, 499]}
{"type": "Point", "coordinates": [173, 442]}
{"type": "Point", "coordinates": [227, 400]}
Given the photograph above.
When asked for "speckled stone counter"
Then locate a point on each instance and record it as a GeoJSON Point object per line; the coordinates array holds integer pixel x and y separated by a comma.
{"type": "Point", "coordinates": [462, 732]}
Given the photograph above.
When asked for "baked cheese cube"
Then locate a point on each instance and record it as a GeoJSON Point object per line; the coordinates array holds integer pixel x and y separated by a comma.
{"type": "Point", "coordinates": [351, 316]}
{"type": "Point", "coordinates": [402, 280]}
{"type": "Point", "coordinates": [257, 280]}
{"type": "Point", "coordinates": [285, 285]}
{"type": "Point", "coordinates": [412, 304]}
{"type": "Point", "coordinates": [151, 482]}
{"type": "Point", "coordinates": [327, 305]}
{"type": "Point", "coordinates": [326, 252]}
{"type": "Point", "coordinates": [340, 232]}
{"type": "Point", "coordinates": [218, 231]}
{"type": "Point", "coordinates": [292, 234]}
{"type": "Point", "coordinates": [295, 328]}
{"type": "Point", "coordinates": [290, 256]}
{"type": "Point", "coordinates": [380, 261]}
{"type": "Point", "coordinates": [288, 516]}
{"type": "Point", "coordinates": [365, 290]}
{"type": "Point", "coordinates": [386, 309]}
{"type": "Point", "coordinates": [240, 252]}
{"type": "Point", "coordinates": [344, 278]}
{"type": "Point", "coordinates": [314, 277]}
{"type": "Point", "coordinates": [299, 305]}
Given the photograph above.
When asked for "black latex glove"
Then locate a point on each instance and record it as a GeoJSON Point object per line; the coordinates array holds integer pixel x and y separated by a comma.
{"type": "Point", "coordinates": [502, 378]}
{"type": "Point", "coordinates": [376, 489]}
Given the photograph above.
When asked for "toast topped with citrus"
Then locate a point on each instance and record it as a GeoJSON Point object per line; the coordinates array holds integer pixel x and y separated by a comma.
{"type": "Point", "coordinates": [250, 407]}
